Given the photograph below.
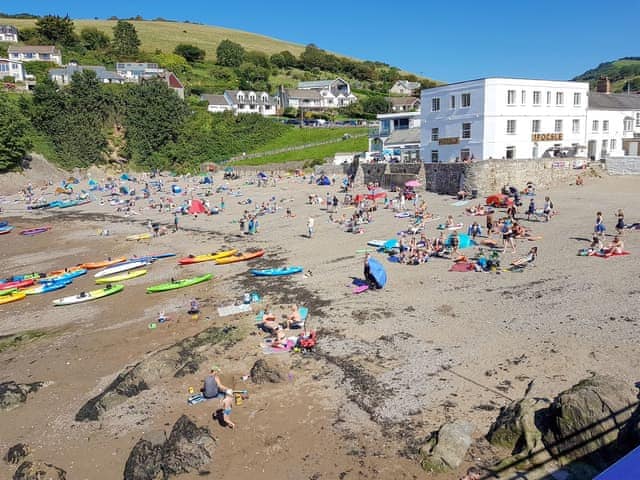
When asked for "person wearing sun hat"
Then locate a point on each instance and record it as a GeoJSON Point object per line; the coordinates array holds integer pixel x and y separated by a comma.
{"type": "Point", "coordinates": [213, 386]}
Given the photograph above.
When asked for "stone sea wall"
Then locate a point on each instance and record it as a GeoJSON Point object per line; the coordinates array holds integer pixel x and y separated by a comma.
{"type": "Point", "coordinates": [623, 166]}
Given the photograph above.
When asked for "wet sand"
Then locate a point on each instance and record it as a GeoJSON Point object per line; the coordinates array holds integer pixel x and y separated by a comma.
{"type": "Point", "coordinates": [391, 366]}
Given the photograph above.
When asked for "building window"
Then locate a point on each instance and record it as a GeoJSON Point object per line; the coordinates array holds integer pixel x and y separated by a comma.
{"type": "Point", "coordinates": [435, 134]}
{"type": "Point", "coordinates": [548, 98]}
{"type": "Point", "coordinates": [523, 97]}
{"type": "Point", "coordinates": [576, 99]}
{"type": "Point", "coordinates": [535, 126]}
{"type": "Point", "coordinates": [511, 97]}
{"type": "Point", "coordinates": [605, 145]}
{"type": "Point", "coordinates": [511, 153]}
{"type": "Point", "coordinates": [435, 104]}
{"type": "Point", "coordinates": [558, 126]}
{"type": "Point", "coordinates": [434, 156]}
{"type": "Point", "coordinates": [466, 130]}
{"type": "Point", "coordinates": [465, 100]}
{"type": "Point", "coordinates": [452, 103]}
{"type": "Point", "coordinates": [576, 126]}
{"type": "Point", "coordinates": [628, 124]}
{"type": "Point", "coordinates": [595, 125]}
{"type": "Point", "coordinates": [613, 144]}
{"type": "Point", "coordinates": [536, 97]}
{"type": "Point", "coordinates": [637, 120]}
{"type": "Point", "coordinates": [605, 126]}
{"type": "Point", "coordinates": [559, 98]}
{"type": "Point", "coordinates": [465, 154]}
{"type": "Point", "coordinates": [511, 127]}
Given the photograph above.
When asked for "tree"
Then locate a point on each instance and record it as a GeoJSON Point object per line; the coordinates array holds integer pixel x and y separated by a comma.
{"type": "Point", "coordinates": [125, 39]}
{"type": "Point", "coordinates": [253, 78]}
{"type": "Point", "coordinates": [57, 30]}
{"type": "Point", "coordinates": [229, 54]}
{"type": "Point", "coordinates": [190, 53]}
{"type": "Point", "coordinates": [29, 36]}
{"type": "Point", "coordinates": [284, 59]}
{"type": "Point", "coordinates": [376, 105]}
{"type": "Point", "coordinates": [259, 59]}
{"type": "Point", "coordinates": [94, 39]}
{"type": "Point", "coordinates": [175, 63]}
{"type": "Point", "coordinates": [14, 140]}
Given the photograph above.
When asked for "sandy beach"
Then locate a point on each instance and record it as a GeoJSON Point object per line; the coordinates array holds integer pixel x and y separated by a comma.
{"type": "Point", "coordinates": [390, 367]}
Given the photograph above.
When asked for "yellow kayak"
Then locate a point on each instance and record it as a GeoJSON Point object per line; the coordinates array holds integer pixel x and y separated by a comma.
{"type": "Point", "coordinates": [206, 258]}
{"type": "Point", "coordinates": [12, 297]}
{"type": "Point", "coordinates": [139, 236]}
{"type": "Point", "coordinates": [122, 276]}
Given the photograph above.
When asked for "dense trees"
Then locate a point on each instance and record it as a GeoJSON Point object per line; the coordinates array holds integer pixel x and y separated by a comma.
{"type": "Point", "coordinates": [253, 78]}
{"type": "Point", "coordinates": [14, 140]}
{"type": "Point", "coordinates": [93, 39]}
{"type": "Point", "coordinates": [190, 53]}
{"type": "Point", "coordinates": [125, 39]}
{"type": "Point", "coordinates": [56, 30]}
{"type": "Point", "coordinates": [229, 54]}
{"type": "Point", "coordinates": [284, 59]}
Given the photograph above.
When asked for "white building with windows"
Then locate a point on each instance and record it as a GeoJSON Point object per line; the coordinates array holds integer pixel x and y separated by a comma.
{"type": "Point", "coordinates": [8, 33]}
{"type": "Point", "coordinates": [12, 69]}
{"type": "Point", "coordinates": [35, 53]}
{"type": "Point", "coordinates": [503, 118]}
{"type": "Point", "coordinates": [242, 101]}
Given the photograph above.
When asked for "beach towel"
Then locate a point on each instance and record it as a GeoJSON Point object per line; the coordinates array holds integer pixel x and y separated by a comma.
{"type": "Point", "coordinates": [460, 203]}
{"type": "Point", "coordinates": [609, 255]}
{"type": "Point", "coordinates": [288, 345]}
{"type": "Point", "coordinates": [234, 309]}
{"type": "Point", "coordinates": [462, 267]}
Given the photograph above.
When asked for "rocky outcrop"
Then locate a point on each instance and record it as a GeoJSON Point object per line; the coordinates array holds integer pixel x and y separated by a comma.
{"type": "Point", "coordinates": [586, 420]}
{"type": "Point", "coordinates": [589, 425]}
{"type": "Point", "coordinates": [17, 453]}
{"type": "Point", "coordinates": [178, 360]}
{"type": "Point", "coordinates": [188, 448]}
{"type": "Point", "coordinates": [39, 471]}
{"type": "Point", "coordinates": [264, 371]}
{"type": "Point", "coordinates": [14, 394]}
{"type": "Point", "coordinates": [447, 447]}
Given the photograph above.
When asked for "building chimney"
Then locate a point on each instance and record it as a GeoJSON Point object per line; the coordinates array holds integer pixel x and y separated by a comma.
{"type": "Point", "coordinates": [603, 85]}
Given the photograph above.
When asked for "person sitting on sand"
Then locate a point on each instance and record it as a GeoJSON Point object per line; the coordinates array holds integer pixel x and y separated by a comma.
{"type": "Point", "coordinates": [449, 223]}
{"type": "Point", "coordinates": [213, 386]}
{"type": "Point", "coordinates": [293, 316]}
{"type": "Point", "coordinates": [616, 247]}
{"type": "Point", "coordinates": [530, 258]}
{"type": "Point", "coordinates": [269, 323]}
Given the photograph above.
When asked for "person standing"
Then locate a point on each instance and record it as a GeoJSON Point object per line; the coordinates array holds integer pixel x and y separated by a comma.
{"type": "Point", "coordinates": [599, 227]}
{"type": "Point", "coordinates": [221, 204]}
{"type": "Point", "coordinates": [532, 209]}
{"type": "Point", "coordinates": [620, 222]}
{"type": "Point", "coordinates": [310, 224]}
{"type": "Point", "coordinates": [546, 209]}
{"type": "Point", "coordinates": [175, 222]}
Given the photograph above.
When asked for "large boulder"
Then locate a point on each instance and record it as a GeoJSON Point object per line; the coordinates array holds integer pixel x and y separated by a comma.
{"type": "Point", "coordinates": [448, 446]}
{"type": "Point", "coordinates": [264, 371]}
{"type": "Point", "coordinates": [586, 420]}
{"type": "Point", "coordinates": [518, 429]}
{"type": "Point", "coordinates": [14, 394]}
{"type": "Point", "coordinates": [188, 448]}
{"type": "Point", "coordinates": [17, 453]}
{"type": "Point", "coordinates": [39, 471]}
{"type": "Point", "coordinates": [177, 360]}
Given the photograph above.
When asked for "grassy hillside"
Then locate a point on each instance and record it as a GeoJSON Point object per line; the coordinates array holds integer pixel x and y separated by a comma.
{"type": "Point", "coordinates": [622, 73]}
{"type": "Point", "coordinates": [303, 136]}
{"type": "Point", "coordinates": [157, 35]}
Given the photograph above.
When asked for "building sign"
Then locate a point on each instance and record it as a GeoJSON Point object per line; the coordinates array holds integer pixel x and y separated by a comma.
{"type": "Point", "coordinates": [546, 137]}
{"type": "Point", "coordinates": [449, 141]}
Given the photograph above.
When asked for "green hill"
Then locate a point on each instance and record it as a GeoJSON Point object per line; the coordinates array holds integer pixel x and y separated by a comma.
{"type": "Point", "coordinates": [624, 73]}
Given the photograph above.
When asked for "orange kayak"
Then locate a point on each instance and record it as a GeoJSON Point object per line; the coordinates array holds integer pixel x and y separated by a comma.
{"type": "Point", "coordinates": [104, 263]}
{"type": "Point", "coordinates": [240, 257]}
{"type": "Point", "coordinates": [54, 273]}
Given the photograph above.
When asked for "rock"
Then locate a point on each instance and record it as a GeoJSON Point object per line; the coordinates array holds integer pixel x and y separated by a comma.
{"type": "Point", "coordinates": [144, 462]}
{"type": "Point", "coordinates": [188, 448]}
{"type": "Point", "coordinates": [448, 447]}
{"type": "Point", "coordinates": [175, 361]}
{"type": "Point", "coordinates": [13, 394]}
{"type": "Point", "coordinates": [16, 453]}
{"type": "Point", "coordinates": [39, 471]}
{"type": "Point", "coordinates": [264, 372]}
{"type": "Point", "coordinates": [586, 420]}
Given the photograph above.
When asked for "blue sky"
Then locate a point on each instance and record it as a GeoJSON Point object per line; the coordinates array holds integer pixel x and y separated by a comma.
{"type": "Point", "coordinates": [448, 41]}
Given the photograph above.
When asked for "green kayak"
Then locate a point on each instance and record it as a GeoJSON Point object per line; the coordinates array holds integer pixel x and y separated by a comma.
{"type": "Point", "coordinates": [187, 282]}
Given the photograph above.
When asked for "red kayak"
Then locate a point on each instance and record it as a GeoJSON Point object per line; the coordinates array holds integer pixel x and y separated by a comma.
{"type": "Point", "coordinates": [20, 284]}
{"type": "Point", "coordinates": [35, 231]}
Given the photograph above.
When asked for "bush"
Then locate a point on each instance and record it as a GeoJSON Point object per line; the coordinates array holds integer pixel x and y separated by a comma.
{"type": "Point", "coordinates": [190, 53]}
{"type": "Point", "coordinates": [229, 54]}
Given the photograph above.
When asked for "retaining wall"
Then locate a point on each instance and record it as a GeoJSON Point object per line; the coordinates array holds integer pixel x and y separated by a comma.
{"type": "Point", "coordinates": [623, 166]}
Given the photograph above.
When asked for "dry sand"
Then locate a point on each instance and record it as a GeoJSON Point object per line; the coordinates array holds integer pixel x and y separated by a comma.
{"type": "Point", "coordinates": [391, 366]}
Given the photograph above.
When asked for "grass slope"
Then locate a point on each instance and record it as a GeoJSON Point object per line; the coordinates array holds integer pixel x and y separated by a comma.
{"type": "Point", "coordinates": [620, 72]}
{"type": "Point", "coordinates": [166, 35]}
{"type": "Point", "coordinates": [302, 136]}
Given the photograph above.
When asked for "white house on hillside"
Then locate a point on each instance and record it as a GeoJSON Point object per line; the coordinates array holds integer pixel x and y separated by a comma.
{"type": "Point", "coordinates": [242, 101]}
{"type": "Point", "coordinates": [134, 72]}
{"type": "Point", "coordinates": [63, 76]}
{"type": "Point", "coordinates": [318, 95]}
{"type": "Point", "coordinates": [12, 68]}
{"type": "Point", "coordinates": [35, 53]}
{"type": "Point", "coordinates": [8, 33]}
{"type": "Point", "coordinates": [405, 87]}
{"type": "Point", "coordinates": [398, 136]}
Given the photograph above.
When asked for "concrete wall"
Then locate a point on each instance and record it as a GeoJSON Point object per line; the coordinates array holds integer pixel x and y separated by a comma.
{"type": "Point", "coordinates": [489, 176]}
{"type": "Point", "coordinates": [623, 165]}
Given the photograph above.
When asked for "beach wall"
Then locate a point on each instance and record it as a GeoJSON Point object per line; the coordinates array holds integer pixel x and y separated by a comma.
{"type": "Point", "coordinates": [489, 176]}
{"type": "Point", "coordinates": [623, 166]}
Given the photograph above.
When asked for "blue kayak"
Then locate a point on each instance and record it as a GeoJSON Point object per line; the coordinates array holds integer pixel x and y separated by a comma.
{"type": "Point", "coordinates": [47, 287]}
{"type": "Point", "coordinates": [4, 224]}
{"type": "Point", "coordinates": [6, 229]}
{"type": "Point", "coordinates": [55, 203]}
{"type": "Point", "coordinates": [64, 276]}
{"type": "Point", "coordinates": [276, 272]}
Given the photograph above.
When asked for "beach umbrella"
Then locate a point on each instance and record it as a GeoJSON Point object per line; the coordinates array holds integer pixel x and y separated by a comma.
{"type": "Point", "coordinates": [377, 272]}
{"type": "Point", "coordinates": [412, 183]}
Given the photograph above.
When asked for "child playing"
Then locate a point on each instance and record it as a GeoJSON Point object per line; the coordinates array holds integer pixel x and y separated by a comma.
{"type": "Point", "coordinates": [227, 405]}
{"type": "Point", "coordinates": [599, 228]}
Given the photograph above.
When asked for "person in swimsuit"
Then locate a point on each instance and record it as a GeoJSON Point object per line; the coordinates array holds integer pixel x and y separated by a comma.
{"type": "Point", "coordinates": [616, 247]}
{"type": "Point", "coordinates": [489, 225]}
{"type": "Point", "coordinates": [227, 405]}
{"type": "Point", "coordinates": [620, 223]}
{"type": "Point", "coordinates": [599, 228]}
